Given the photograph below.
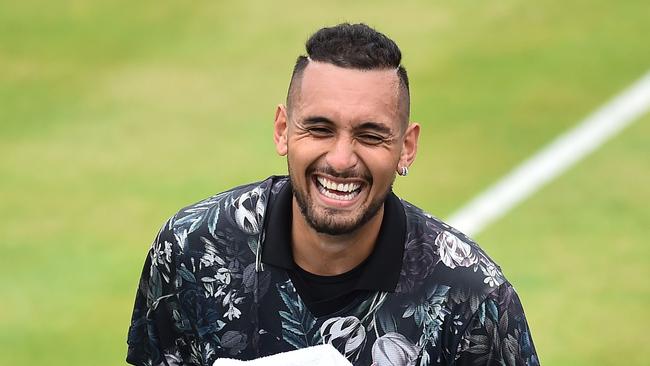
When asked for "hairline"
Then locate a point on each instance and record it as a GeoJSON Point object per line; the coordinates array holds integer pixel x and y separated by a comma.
{"type": "Point", "coordinates": [403, 89]}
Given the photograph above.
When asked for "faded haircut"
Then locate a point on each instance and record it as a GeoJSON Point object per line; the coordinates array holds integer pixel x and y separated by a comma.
{"type": "Point", "coordinates": [353, 46]}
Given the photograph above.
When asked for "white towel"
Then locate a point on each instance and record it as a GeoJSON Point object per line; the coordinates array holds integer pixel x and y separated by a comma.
{"type": "Point", "coordinates": [323, 355]}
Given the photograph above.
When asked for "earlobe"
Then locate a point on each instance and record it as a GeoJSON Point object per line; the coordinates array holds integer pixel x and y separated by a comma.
{"type": "Point", "coordinates": [280, 128]}
{"type": "Point", "coordinates": [409, 148]}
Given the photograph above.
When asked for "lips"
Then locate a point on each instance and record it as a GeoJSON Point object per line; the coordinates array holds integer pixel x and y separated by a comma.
{"type": "Point", "coordinates": [337, 190]}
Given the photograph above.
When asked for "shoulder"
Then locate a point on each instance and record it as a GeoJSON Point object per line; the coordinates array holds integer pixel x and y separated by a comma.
{"type": "Point", "coordinates": [232, 217]}
{"type": "Point", "coordinates": [438, 254]}
{"type": "Point", "coordinates": [199, 278]}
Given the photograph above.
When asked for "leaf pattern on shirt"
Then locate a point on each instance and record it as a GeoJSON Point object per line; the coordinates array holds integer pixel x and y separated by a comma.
{"type": "Point", "coordinates": [298, 324]}
{"type": "Point", "coordinates": [202, 292]}
{"type": "Point", "coordinates": [429, 312]}
{"type": "Point", "coordinates": [495, 335]}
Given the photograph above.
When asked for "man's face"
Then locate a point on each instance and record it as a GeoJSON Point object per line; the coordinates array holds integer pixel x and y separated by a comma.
{"type": "Point", "coordinates": [344, 140]}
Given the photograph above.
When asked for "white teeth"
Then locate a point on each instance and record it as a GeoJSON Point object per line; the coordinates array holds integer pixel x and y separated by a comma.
{"type": "Point", "coordinates": [335, 196]}
{"type": "Point", "coordinates": [349, 187]}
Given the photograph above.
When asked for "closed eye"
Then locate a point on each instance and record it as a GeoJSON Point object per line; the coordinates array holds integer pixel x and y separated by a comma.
{"type": "Point", "coordinates": [370, 139]}
{"type": "Point", "coordinates": [319, 131]}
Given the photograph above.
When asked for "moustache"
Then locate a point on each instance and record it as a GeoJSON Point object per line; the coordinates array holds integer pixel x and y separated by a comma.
{"type": "Point", "coordinates": [348, 173]}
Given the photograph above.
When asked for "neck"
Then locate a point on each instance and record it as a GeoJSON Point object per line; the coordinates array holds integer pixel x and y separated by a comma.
{"type": "Point", "coordinates": [329, 255]}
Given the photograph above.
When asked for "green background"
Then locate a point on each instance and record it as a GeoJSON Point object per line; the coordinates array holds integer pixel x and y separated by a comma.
{"type": "Point", "coordinates": [114, 114]}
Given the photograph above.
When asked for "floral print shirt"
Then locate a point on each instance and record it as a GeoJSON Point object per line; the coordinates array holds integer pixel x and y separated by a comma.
{"type": "Point", "coordinates": [204, 293]}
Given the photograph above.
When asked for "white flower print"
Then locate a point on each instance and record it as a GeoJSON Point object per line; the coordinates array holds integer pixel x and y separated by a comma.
{"type": "Point", "coordinates": [210, 311]}
{"type": "Point", "coordinates": [232, 312]}
{"type": "Point", "coordinates": [455, 252]}
{"type": "Point", "coordinates": [346, 334]}
{"type": "Point", "coordinates": [393, 349]}
{"type": "Point", "coordinates": [162, 255]}
{"type": "Point", "coordinates": [221, 280]}
{"type": "Point", "coordinates": [210, 255]}
{"type": "Point", "coordinates": [220, 291]}
{"type": "Point", "coordinates": [231, 299]}
{"type": "Point", "coordinates": [492, 275]}
{"type": "Point", "coordinates": [248, 211]}
{"type": "Point", "coordinates": [223, 276]}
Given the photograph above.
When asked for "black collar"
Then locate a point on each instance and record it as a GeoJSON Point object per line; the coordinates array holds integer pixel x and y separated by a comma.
{"type": "Point", "coordinates": [381, 269]}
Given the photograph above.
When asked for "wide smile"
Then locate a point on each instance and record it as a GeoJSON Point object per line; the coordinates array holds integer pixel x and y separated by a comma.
{"type": "Point", "coordinates": [338, 192]}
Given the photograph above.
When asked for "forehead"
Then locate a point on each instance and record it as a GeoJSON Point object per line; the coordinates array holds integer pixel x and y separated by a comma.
{"type": "Point", "coordinates": [348, 94]}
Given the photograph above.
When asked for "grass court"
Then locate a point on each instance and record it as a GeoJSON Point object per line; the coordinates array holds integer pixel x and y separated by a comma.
{"type": "Point", "coordinates": [115, 114]}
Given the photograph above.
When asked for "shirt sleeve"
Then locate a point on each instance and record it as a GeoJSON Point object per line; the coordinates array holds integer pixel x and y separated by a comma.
{"type": "Point", "coordinates": [159, 333]}
{"type": "Point", "coordinates": [497, 333]}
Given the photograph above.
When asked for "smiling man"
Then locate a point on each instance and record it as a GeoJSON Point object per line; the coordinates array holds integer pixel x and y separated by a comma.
{"type": "Point", "coordinates": [329, 254]}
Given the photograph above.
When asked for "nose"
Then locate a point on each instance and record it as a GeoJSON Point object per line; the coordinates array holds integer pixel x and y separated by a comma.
{"type": "Point", "coordinates": [342, 155]}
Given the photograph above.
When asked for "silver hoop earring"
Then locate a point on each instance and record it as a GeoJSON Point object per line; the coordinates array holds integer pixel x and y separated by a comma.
{"type": "Point", "coordinates": [404, 171]}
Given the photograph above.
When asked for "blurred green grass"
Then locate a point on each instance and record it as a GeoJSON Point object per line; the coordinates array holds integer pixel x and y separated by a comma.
{"type": "Point", "coordinates": [115, 114]}
{"type": "Point", "coordinates": [579, 252]}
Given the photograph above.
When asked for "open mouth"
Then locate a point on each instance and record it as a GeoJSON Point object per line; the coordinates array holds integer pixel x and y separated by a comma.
{"type": "Point", "coordinates": [338, 191]}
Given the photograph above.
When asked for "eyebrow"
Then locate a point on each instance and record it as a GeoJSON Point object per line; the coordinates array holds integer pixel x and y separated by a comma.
{"type": "Point", "coordinates": [317, 119]}
{"type": "Point", "coordinates": [370, 125]}
{"type": "Point", "coordinates": [375, 126]}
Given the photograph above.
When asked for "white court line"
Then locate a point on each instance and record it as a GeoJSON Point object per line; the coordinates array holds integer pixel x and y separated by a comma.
{"type": "Point", "coordinates": [554, 159]}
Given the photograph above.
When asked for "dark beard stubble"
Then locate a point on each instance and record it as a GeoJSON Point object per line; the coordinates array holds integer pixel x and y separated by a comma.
{"type": "Point", "coordinates": [325, 224]}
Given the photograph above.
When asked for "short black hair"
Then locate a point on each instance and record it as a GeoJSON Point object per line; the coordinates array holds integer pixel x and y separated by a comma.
{"type": "Point", "coordinates": [353, 46]}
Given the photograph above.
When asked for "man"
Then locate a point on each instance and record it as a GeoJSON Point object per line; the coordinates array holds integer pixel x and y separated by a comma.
{"type": "Point", "coordinates": [329, 254]}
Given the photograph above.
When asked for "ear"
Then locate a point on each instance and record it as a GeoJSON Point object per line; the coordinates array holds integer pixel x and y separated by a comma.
{"type": "Point", "coordinates": [280, 128]}
{"type": "Point", "coordinates": [410, 146]}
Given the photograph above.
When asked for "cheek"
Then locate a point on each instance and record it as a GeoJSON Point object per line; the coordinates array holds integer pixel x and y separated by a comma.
{"type": "Point", "coordinates": [381, 163]}
{"type": "Point", "coordinates": [383, 175]}
{"type": "Point", "coordinates": [306, 151]}
{"type": "Point", "coordinates": [300, 157]}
